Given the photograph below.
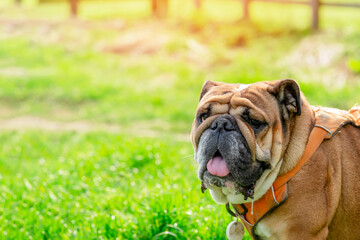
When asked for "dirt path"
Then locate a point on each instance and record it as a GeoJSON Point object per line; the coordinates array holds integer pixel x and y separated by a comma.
{"type": "Point", "coordinates": [22, 123]}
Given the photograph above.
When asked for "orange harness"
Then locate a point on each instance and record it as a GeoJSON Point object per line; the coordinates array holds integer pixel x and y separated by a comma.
{"type": "Point", "coordinates": [328, 122]}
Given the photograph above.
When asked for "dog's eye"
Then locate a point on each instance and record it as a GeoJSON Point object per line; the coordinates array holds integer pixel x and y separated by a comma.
{"type": "Point", "coordinates": [255, 123]}
{"type": "Point", "coordinates": [202, 117]}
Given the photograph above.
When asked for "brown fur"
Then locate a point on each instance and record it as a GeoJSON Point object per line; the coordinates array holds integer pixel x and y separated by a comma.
{"type": "Point", "coordinates": [324, 196]}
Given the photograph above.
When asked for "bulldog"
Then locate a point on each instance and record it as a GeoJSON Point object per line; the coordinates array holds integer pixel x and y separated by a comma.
{"type": "Point", "coordinates": [247, 136]}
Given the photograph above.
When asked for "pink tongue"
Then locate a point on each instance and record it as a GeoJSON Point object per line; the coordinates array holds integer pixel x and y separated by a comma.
{"type": "Point", "coordinates": [217, 166]}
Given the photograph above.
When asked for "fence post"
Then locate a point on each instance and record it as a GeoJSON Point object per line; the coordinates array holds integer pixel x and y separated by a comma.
{"type": "Point", "coordinates": [315, 4]}
{"type": "Point", "coordinates": [246, 9]}
{"type": "Point", "coordinates": [198, 4]}
{"type": "Point", "coordinates": [159, 8]}
{"type": "Point", "coordinates": [74, 8]}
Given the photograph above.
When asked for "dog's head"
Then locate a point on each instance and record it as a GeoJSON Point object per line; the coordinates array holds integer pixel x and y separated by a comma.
{"type": "Point", "coordinates": [240, 133]}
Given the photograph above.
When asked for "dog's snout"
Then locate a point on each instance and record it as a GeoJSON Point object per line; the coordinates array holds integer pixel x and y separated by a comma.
{"type": "Point", "coordinates": [222, 123]}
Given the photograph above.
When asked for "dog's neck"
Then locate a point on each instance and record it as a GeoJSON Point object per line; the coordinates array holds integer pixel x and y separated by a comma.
{"type": "Point", "coordinates": [298, 138]}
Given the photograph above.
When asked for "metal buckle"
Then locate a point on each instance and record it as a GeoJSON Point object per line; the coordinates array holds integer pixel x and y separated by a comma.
{"type": "Point", "coordinates": [229, 210]}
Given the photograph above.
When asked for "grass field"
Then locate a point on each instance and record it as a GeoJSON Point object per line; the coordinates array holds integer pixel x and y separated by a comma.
{"type": "Point", "coordinates": [95, 113]}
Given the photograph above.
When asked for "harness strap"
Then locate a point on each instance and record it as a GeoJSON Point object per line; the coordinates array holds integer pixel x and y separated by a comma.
{"type": "Point", "coordinates": [316, 137]}
{"type": "Point", "coordinates": [355, 111]}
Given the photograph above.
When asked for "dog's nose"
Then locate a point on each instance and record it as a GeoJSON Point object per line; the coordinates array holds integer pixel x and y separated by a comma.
{"type": "Point", "coordinates": [222, 123]}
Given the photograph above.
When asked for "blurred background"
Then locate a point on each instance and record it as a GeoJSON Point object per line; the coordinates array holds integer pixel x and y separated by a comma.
{"type": "Point", "coordinates": [98, 97]}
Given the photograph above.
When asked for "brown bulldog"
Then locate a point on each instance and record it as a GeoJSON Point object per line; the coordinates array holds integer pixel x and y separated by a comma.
{"type": "Point", "coordinates": [248, 137]}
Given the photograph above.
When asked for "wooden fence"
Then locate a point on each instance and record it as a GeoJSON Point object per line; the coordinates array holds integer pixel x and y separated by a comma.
{"type": "Point", "coordinates": [314, 4]}
{"type": "Point", "coordinates": [159, 7]}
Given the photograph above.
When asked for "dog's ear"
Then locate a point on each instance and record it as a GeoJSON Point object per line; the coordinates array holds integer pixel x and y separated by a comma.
{"type": "Point", "coordinates": [207, 86]}
{"type": "Point", "coordinates": [287, 92]}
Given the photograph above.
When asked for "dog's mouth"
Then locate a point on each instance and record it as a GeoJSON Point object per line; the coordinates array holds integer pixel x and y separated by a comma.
{"type": "Point", "coordinates": [217, 165]}
{"type": "Point", "coordinates": [218, 174]}
{"type": "Point", "coordinates": [225, 159]}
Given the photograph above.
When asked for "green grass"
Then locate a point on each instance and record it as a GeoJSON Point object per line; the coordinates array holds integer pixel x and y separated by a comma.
{"type": "Point", "coordinates": [89, 84]}
{"type": "Point", "coordinates": [91, 186]}
{"type": "Point", "coordinates": [101, 185]}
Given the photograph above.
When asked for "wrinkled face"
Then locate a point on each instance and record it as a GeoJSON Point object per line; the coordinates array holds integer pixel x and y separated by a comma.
{"type": "Point", "coordinates": [239, 132]}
